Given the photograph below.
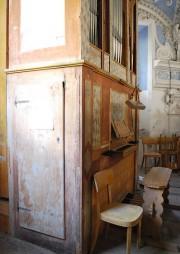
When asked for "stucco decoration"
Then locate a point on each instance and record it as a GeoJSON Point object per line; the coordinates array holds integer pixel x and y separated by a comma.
{"type": "Point", "coordinates": [168, 3]}
{"type": "Point", "coordinates": [177, 14]}
{"type": "Point", "coordinates": [165, 52]}
{"type": "Point", "coordinates": [166, 67]}
{"type": "Point", "coordinates": [176, 37]}
{"type": "Point", "coordinates": [146, 10]}
{"type": "Point", "coordinates": [166, 74]}
{"type": "Point", "coordinates": [173, 101]}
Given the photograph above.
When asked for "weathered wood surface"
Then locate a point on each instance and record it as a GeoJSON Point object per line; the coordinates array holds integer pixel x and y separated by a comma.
{"type": "Point", "coordinates": [3, 172]}
{"type": "Point", "coordinates": [155, 183]}
{"type": "Point", "coordinates": [153, 209]}
{"type": "Point", "coordinates": [157, 178]}
{"type": "Point", "coordinates": [38, 184]}
{"type": "Point", "coordinates": [82, 159]}
{"type": "Point", "coordinates": [4, 219]}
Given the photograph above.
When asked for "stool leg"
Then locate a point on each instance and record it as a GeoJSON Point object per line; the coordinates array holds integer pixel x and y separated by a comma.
{"type": "Point", "coordinates": [128, 243]}
{"type": "Point", "coordinates": [139, 235]}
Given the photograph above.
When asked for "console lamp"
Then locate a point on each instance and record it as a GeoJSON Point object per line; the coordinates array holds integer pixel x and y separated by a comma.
{"type": "Point", "coordinates": [135, 104]}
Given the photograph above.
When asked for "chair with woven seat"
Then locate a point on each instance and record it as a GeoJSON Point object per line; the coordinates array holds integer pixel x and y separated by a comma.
{"type": "Point", "coordinates": [120, 214]}
{"type": "Point", "coordinates": [150, 150]}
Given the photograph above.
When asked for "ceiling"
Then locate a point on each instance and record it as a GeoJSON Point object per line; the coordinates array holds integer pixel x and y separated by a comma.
{"type": "Point", "coordinates": [170, 8]}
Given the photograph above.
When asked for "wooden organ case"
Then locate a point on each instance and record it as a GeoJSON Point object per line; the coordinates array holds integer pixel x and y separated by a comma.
{"type": "Point", "coordinates": [67, 84]}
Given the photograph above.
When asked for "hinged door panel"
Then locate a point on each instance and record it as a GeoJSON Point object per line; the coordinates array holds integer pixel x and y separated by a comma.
{"type": "Point", "coordinates": [39, 145]}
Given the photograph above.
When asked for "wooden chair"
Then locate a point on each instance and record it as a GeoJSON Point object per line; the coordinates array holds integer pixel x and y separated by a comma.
{"type": "Point", "coordinates": [168, 146]}
{"type": "Point", "coordinates": [150, 150]}
{"type": "Point", "coordinates": [120, 214]}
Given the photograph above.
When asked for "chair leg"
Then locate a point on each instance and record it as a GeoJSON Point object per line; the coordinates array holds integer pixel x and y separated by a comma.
{"type": "Point", "coordinates": [139, 235]}
{"type": "Point", "coordinates": [107, 229]}
{"type": "Point", "coordinates": [94, 237]}
{"type": "Point", "coordinates": [142, 162]}
{"type": "Point", "coordinates": [145, 163]}
{"type": "Point", "coordinates": [128, 243]}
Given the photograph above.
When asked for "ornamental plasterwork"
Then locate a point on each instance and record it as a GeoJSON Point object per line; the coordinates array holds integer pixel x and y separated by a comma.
{"type": "Point", "coordinates": [177, 14]}
{"type": "Point", "coordinates": [166, 66]}
{"type": "Point", "coordinates": [145, 8]}
{"type": "Point", "coordinates": [166, 74]}
{"type": "Point", "coordinates": [165, 52]}
{"type": "Point", "coordinates": [168, 3]}
{"type": "Point", "coordinates": [173, 101]}
{"type": "Point", "coordinates": [148, 11]}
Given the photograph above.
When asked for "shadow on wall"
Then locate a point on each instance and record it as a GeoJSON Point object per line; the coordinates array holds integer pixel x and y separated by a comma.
{"type": "Point", "coordinates": [143, 133]}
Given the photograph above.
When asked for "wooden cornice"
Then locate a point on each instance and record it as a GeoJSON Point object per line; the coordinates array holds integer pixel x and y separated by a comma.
{"type": "Point", "coordinates": [57, 65]}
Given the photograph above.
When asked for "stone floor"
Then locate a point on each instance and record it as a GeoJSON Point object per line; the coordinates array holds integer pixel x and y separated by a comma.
{"type": "Point", "coordinates": [10, 245]}
{"type": "Point", "coordinates": [115, 241]}
{"type": "Point", "coordinates": [170, 232]}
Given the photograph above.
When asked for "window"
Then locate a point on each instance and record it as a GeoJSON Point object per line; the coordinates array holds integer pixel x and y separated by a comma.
{"type": "Point", "coordinates": [99, 24]}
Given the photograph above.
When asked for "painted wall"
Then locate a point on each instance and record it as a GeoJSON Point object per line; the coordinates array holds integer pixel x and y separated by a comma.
{"type": "Point", "coordinates": [159, 68]}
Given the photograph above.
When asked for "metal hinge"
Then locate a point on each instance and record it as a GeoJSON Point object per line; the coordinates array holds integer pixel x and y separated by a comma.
{"type": "Point", "coordinates": [24, 209]}
{"type": "Point", "coordinates": [20, 102]}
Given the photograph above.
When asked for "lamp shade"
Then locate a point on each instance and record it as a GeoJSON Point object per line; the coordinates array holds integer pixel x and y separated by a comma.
{"type": "Point", "coordinates": [135, 104]}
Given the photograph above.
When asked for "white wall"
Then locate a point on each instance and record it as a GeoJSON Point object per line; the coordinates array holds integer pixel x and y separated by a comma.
{"type": "Point", "coordinates": [159, 117]}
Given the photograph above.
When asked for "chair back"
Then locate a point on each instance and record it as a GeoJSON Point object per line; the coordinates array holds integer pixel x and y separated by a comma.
{"type": "Point", "coordinates": [103, 181]}
{"type": "Point", "coordinates": [150, 144]}
{"type": "Point", "coordinates": [168, 142]}
{"type": "Point", "coordinates": [169, 150]}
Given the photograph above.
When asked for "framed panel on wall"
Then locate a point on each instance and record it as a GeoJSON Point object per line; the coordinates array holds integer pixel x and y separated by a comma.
{"type": "Point", "coordinates": [120, 129]}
